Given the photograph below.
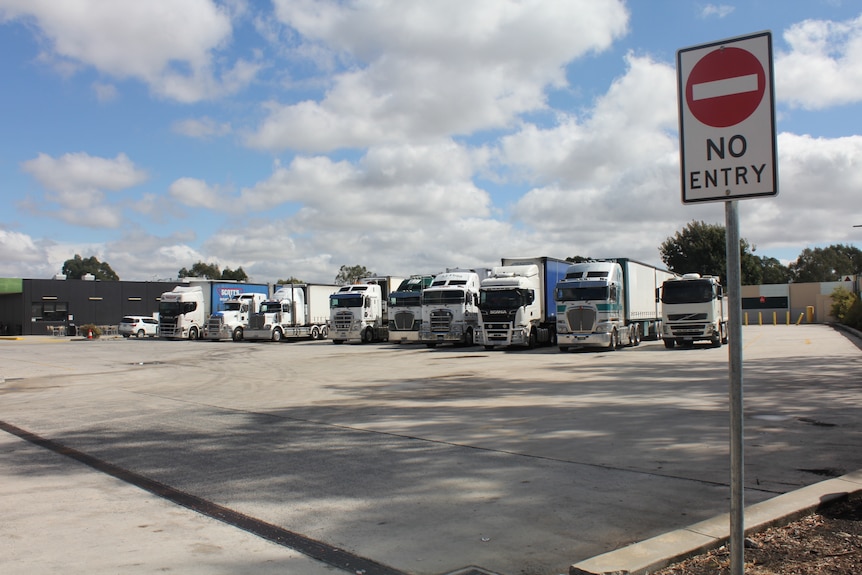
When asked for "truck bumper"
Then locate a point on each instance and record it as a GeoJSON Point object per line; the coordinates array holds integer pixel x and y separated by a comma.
{"type": "Point", "coordinates": [584, 339]}
{"type": "Point", "coordinates": [404, 336]}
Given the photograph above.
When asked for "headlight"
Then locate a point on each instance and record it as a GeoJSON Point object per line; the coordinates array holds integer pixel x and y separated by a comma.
{"type": "Point", "coordinates": [604, 328]}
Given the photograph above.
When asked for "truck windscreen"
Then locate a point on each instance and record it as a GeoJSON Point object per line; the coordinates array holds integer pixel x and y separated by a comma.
{"type": "Point", "coordinates": [582, 293]}
{"type": "Point", "coordinates": [346, 300]}
{"type": "Point", "coordinates": [439, 297]}
{"type": "Point", "coordinates": [501, 299]}
{"type": "Point", "coordinates": [687, 291]}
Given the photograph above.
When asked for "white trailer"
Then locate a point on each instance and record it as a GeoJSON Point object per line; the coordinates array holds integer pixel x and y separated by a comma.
{"type": "Point", "coordinates": [294, 311]}
{"type": "Point", "coordinates": [608, 304]}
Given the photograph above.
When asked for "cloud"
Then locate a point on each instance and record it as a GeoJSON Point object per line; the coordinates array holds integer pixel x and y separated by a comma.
{"type": "Point", "coordinates": [77, 183]}
{"type": "Point", "coordinates": [196, 193]}
{"type": "Point", "coordinates": [716, 11]}
{"type": "Point", "coordinates": [170, 46]}
{"type": "Point", "coordinates": [204, 128]}
{"type": "Point", "coordinates": [823, 67]}
{"type": "Point", "coordinates": [412, 73]}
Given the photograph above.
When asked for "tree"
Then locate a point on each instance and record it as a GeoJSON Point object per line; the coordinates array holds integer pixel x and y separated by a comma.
{"type": "Point", "coordinates": [842, 300]}
{"type": "Point", "coordinates": [201, 270]}
{"type": "Point", "coordinates": [774, 272]}
{"type": "Point", "coordinates": [76, 268]}
{"type": "Point", "coordinates": [290, 280]}
{"type": "Point", "coordinates": [351, 274]}
{"type": "Point", "coordinates": [826, 264]}
{"type": "Point", "coordinates": [238, 274]}
{"type": "Point", "coordinates": [701, 248]}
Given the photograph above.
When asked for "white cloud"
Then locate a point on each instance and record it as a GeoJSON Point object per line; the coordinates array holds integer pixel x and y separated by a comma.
{"type": "Point", "coordinates": [717, 11]}
{"type": "Point", "coordinates": [166, 44]}
{"type": "Point", "coordinates": [196, 193]}
{"type": "Point", "coordinates": [77, 183]}
{"type": "Point", "coordinates": [203, 128]}
{"type": "Point", "coordinates": [416, 73]}
{"type": "Point", "coordinates": [824, 65]}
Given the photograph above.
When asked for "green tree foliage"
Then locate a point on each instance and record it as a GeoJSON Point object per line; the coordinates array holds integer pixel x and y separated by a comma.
{"type": "Point", "coordinates": [290, 280]}
{"type": "Point", "coordinates": [842, 300]}
{"type": "Point", "coordinates": [351, 274]}
{"type": "Point", "coordinates": [826, 264]}
{"type": "Point", "coordinates": [774, 272]}
{"type": "Point", "coordinates": [853, 318]}
{"type": "Point", "coordinates": [701, 248]}
{"type": "Point", "coordinates": [212, 272]}
{"type": "Point", "coordinates": [76, 268]}
{"type": "Point", "coordinates": [577, 259]}
{"type": "Point", "coordinates": [238, 274]}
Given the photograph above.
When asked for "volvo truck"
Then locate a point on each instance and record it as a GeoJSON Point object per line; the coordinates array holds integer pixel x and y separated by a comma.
{"type": "Point", "coordinates": [608, 304]}
{"type": "Point", "coordinates": [516, 303]}
{"type": "Point", "coordinates": [294, 311]}
{"type": "Point", "coordinates": [694, 308]}
{"type": "Point", "coordinates": [450, 308]}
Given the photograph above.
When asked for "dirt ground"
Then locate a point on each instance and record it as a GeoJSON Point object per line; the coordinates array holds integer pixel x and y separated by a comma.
{"type": "Point", "coordinates": [827, 542]}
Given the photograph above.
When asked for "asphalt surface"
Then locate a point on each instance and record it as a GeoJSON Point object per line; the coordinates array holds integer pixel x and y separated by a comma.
{"type": "Point", "coordinates": [197, 457]}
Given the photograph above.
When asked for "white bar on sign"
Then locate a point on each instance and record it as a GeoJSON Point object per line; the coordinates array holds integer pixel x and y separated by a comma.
{"type": "Point", "coordinates": [725, 87]}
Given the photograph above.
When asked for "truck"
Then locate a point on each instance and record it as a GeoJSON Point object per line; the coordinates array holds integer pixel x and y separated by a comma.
{"type": "Point", "coordinates": [608, 304]}
{"type": "Point", "coordinates": [450, 308]}
{"type": "Point", "coordinates": [232, 321]}
{"type": "Point", "coordinates": [694, 308]}
{"type": "Point", "coordinates": [184, 311]}
{"type": "Point", "coordinates": [405, 309]}
{"type": "Point", "coordinates": [516, 303]}
{"type": "Point", "coordinates": [294, 311]}
{"type": "Point", "coordinates": [359, 313]}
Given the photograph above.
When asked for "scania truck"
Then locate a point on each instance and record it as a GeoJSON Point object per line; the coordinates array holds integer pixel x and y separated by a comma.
{"type": "Point", "coordinates": [608, 304]}
{"type": "Point", "coordinates": [694, 308]}
{"type": "Point", "coordinates": [405, 309]}
{"type": "Point", "coordinates": [294, 311]}
{"type": "Point", "coordinates": [450, 308]}
{"type": "Point", "coordinates": [359, 313]}
{"type": "Point", "coordinates": [183, 312]}
{"type": "Point", "coordinates": [516, 303]}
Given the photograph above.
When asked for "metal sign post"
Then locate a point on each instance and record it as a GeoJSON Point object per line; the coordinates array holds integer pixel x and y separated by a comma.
{"type": "Point", "coordinates": [734, 300]}
{"type": "Point", "coordinates": [728, 152]}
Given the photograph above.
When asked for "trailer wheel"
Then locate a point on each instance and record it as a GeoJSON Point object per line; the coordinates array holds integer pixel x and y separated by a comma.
{"type": "Point", "coordinates": [315, 332]}
{"type": "Point", "coordinates": [237, 334]}
{"type": "Point", "coordinates": [276, 335]}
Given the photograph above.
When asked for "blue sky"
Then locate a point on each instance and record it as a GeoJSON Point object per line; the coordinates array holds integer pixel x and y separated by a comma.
{"type": "Point", "coordinates": [295, 136]}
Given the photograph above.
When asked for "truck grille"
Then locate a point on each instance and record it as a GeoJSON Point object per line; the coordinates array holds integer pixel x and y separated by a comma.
{"type": "Point", "coordinates": [686, 329]}
{"type": "Point", "coordinates": [686, 316]}
{"type": "Point", "coordinates": [343, 320]}
{"type": "Point", "coordinates": [406, 321]}
{"type": "Point", "coordinates": [441, 320]}
{"type": "Point", "coordinates": [214, 324]}
{"type": "Point", "coordinates": [581, 319]}
{"type": "Point", "coordinates": [257, 321]}
{"type": "Point", "coordinates": [168, 328]}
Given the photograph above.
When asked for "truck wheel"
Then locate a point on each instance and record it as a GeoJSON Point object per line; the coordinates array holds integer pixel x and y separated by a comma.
{"type": "Point", "coordinates": [193, 334]}
{"type": "Point", "coordinates": [337, 341]}
{"type": "Point", "coordinates": [470, 339]}
{"type": "Point", "coordinates": [531, 342]}
{"type": "Point", "coordinates": [315, 332]}
{"type": "Point", "coordinates": [669, 342]}
{"type": "Point", "coordinates": [237, 334]}
{"type": "Point", "coordinates": [564, 349]}
{"type": "Point", "coordinates": [724, 334]}
{"type": "Point", "coordinates": [368, 335]}
{"type": "Point", "coordinates": [489, 348]}
{"type": "Point", "coordinates": [615, 341]}
{"type": "Point", "coordinates": [276, 335]}
{"type": "Point", "coordinates": [637, 335]}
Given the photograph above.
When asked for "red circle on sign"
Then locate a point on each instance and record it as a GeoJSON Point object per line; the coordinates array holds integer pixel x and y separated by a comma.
{"type": "Point", "coordinates": [725, 87]}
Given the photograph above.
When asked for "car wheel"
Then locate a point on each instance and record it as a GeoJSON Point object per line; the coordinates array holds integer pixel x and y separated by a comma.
{"type": "Point", "coordinates": [141, 334]}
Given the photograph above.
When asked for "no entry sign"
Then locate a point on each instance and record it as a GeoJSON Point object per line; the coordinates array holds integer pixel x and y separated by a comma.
{"type": "Point", "coordinates": [727, 120]}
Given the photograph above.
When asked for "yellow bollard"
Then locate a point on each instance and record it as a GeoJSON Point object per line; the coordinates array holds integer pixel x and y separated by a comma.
{"type": "Point", "coordinates": [801, 315]}
{"type": "Point", "coordinates": [809, 312]}
{"type": "Point", "coordinates": [774, 318]}
{"type": "Point", "coordinates": [746, 318]}
{"type": "Point", "coordinates": [788, 318]}
{"type": "Point", "coordinates": [760, 318]}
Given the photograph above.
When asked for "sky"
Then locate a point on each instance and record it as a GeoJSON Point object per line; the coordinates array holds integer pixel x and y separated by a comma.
{"type": "Point", "coordinates": [291, 137]}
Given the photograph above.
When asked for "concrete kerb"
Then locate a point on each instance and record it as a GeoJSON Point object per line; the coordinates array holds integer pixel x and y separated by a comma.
{"type": "Point", "coordinates": [658, 552]}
